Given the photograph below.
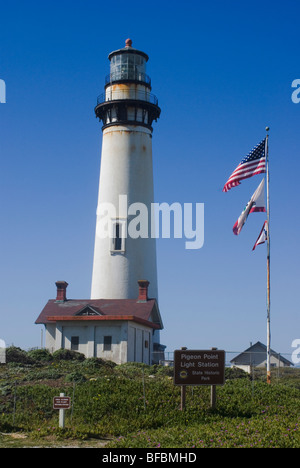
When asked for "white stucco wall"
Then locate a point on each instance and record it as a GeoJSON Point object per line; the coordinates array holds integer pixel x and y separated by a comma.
{"type": "Point", "coordinates": [118, 332]}
{"type": "Point", "coordinates": [128, 340]}
{"type": "Point", "coordinates": [126, 169]}
{"type": "Point", "coordinates": [50, 331]}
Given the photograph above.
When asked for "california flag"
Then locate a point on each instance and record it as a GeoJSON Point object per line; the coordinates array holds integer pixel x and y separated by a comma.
{"type": "Point", "coordinates": [256, 204]}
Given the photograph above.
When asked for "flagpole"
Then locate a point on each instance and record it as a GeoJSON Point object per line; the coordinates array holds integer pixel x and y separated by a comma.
{"type": "Point", "coordinates": [268, 265]}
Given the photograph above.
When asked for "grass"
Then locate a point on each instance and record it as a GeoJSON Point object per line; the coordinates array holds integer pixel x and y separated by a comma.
{"type": "Point", "coordinates": [137, 406]}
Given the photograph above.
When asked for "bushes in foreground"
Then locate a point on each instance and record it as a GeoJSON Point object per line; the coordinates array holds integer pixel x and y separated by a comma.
{"type": "Point", "coordinates": [138, 405]}
{"type": "Point", "coordinates": [137, 413]}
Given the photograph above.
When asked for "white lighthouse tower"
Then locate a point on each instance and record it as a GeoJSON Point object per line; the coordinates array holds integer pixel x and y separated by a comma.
{"type": "Point", "coordinates": [121, 322]}
{"type": "Point", "coordinates": [127, 110]}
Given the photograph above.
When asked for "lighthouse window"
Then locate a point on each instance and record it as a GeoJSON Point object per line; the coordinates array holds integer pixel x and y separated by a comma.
{"type": "Point", "coordinates": [118, 240]}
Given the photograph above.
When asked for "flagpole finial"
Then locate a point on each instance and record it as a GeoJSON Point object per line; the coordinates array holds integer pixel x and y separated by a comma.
{"type": "Point", "coordinates": [267, 129]}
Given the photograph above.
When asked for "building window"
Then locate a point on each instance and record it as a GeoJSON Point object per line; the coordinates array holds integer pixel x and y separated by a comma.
{"type": "Point", "coordinates": [75, 343]}
{"type": "Point", "coordinates": [107, 343]}
{"type": "Point", "coordinates": [118, 236]}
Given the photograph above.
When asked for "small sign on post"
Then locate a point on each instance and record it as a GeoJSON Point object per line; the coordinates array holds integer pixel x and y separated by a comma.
{"type": "Point", "coordinates": [62, 403]}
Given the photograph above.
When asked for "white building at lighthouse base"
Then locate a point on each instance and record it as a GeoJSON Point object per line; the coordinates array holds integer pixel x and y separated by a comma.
{"type": "Point", "coordinates": [119, 330]}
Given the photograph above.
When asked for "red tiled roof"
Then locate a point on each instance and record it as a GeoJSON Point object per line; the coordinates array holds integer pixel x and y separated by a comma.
{"type": "Point", "coordinates": [108, 309]}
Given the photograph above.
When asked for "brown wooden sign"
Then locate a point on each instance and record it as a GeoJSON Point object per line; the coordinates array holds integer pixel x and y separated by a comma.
{"type": "Point", "coordinates": [61, 402]}
{"type": "Point", "coordinates": [204, 367]}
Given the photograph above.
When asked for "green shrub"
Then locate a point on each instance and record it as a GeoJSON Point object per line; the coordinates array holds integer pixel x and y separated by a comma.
{"type": "Point", "coordinates": [167, 371]}
{"type": "Point", "coordinates": [75, 376]}
{"type": "Point", "coordinates": [109, 363]}
{"type": "Point", "coordinates": [137, 369]}
{"type": "Point", "coordinates": [6, 388]}
{"type": "Point", "coordinates": [94, 363]}
{"type": "Point", "coordinates": [40, 355]}
{"type": "Point", "coordinates": [14, 354]}
{"type": "Point", "coordinates": [44, 374]}
{"type": "Point", "coordinates": [133, 369]}
{"type": "Point", "coordinates": [68, 355]}
{"type": "Point", "coordinates": [236, 373]}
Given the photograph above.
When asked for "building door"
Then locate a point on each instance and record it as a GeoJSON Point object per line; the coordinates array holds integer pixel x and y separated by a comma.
{"type": "Point", "coordinates": [139, 345]}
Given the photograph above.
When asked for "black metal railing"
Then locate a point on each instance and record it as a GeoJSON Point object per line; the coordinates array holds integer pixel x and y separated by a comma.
{"type": "Point", "coordinates": [123, 75]}
{"type": "Point", "coordinates": [131, 94]}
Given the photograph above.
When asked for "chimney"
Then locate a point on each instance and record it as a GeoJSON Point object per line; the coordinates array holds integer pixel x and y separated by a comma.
{"type": "Point", "coordinates": [61, 290]}
{"type": "Point", "coordinates": [143, 290]}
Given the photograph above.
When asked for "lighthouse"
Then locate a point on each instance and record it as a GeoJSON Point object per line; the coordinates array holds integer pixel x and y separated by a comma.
{"type": "Point", "coordinates": [121, 322]}
{"type": "Point", "coordinates": [127, 110]}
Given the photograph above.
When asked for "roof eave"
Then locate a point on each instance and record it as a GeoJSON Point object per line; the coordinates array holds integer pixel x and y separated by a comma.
{"type": "Point", "coordinates": [99, 318]}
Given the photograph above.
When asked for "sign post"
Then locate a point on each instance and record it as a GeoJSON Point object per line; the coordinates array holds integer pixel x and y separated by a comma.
{"type": "Point", "coordinates": [213, 391]}
{"type": "Point", "coordinates": [200, 367]}
{"type": "Point", "coordinates": [62, 403]}
{"type": "Point", "coordinates": [183, 391]}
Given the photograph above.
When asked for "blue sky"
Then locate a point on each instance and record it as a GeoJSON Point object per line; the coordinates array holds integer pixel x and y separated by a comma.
{"type": "Point", "coordinates": [222, 71]}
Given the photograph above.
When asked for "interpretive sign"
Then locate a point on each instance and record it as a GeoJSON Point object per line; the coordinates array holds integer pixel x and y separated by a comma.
{"type": "Point", "coordinates": [61, 402]}
{"type": "Point", "coordinates": [204, 367]}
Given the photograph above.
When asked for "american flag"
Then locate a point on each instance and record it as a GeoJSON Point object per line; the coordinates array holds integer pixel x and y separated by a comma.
{"type": "Point", "coordinates": [253, 163]}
